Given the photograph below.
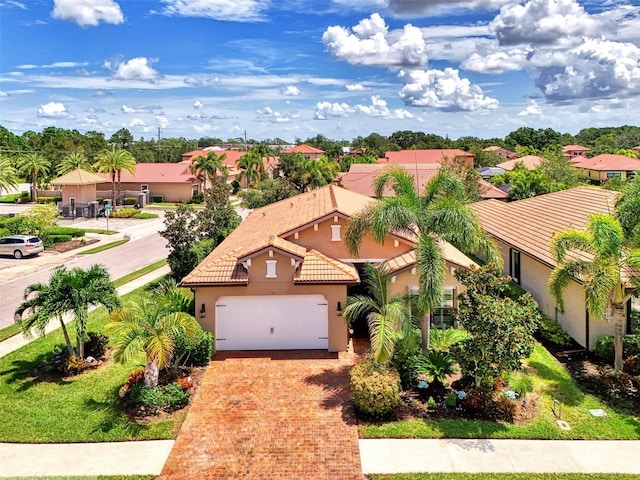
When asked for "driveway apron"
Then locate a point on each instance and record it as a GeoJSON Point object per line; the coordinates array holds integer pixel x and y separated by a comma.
{"type": "Point", "coordinates": [275, 415]}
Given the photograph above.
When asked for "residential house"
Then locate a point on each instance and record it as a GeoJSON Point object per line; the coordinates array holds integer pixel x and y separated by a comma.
{"type": "Point", "coordinates": [572, 151]}
{"type": "Point", "coordinates": [172, 181]}
{"type": "Point", "coordinates": [523, 231]}
{"type": "Point", "coordinates": [309, 152]}
{"type": "Point", "coordinates": [529, 161]}
{"type": "Point", "coordinates": [503, 152]}
{"type": "Point", "coordinates": [281, 279]}
{"type": "Point", "coordinates": [430, 156]}
{"type": "Point", "coordinates": [489, 172]}
{"type": "Point", "coordinates": [230, 161]}
{"type": "Point", "coordinates": [604, 167]}
{"type": "Point", "coordinates": [78, 188]}
{"type": "Point", "coordinates": [360, 178]}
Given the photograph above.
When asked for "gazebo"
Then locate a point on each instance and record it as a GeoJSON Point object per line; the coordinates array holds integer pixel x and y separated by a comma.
{"type": "Point", "coordinates": [78, 189]}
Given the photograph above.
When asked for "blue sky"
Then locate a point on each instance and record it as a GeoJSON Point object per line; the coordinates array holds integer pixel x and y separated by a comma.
{"type": "Point", "coordinates": [296, 68]}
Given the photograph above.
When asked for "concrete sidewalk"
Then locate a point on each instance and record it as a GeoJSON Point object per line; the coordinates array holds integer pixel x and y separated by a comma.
{"type": "Point", "coordinates": [83, 459]}
{"type": "Point", "coordinates": [511, 456]}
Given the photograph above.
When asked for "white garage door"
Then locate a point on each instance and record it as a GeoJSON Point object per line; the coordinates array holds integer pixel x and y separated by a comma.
{"type": "Point", "coordinates": [272, 322]}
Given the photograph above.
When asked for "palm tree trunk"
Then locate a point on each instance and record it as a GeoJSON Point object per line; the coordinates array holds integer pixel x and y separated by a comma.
{"type": "Point", "coordinates": [113, 189]}
{"type": "Point", "coordinates": [66, 335]}
{"type": "Point", "coordinates": [425, 328]}
{"type": "Point", "coordinates": [34, 193]}
{"type": "Point", "coordinates": [151, 372]}
{"type": "Point", "coordinates": [618, 319]}
{"type": "Point", "coordinates": [119, 172]}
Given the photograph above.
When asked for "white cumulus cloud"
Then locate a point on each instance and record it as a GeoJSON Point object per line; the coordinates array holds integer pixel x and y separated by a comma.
{"type": "Point", "coordinates": [325, 110]}
{"type": "Point", "coordinates": [198, 105]}
{"type": "Point", "coordinates": [88, 13]}
{"type": "Point", "coordinates": [270, 115]}
{"type": "Point", "coordinates": [378, 107]}
{"type": "Point", "coordinates": [497, 62]}
{"type": "Point", "coordinates": [371, 44]}
{"type": "Point", "coordinates": [355, 87]}
{"type": "Point", "coordinates": [138, 68]}
{"type": "Point", "coordinates": [444, 90]}
{"type": "Point", "coordinates": [53, 110]}
{"type": "Point", "coordinates": [224, 10]}
{"type": "Point", "coordinates": [532, 109]}
{"type": "Point", "coordinates": [137, 122]}
{"type": "Point", "coordinates": [126, 109]}
{"type": "Point", "coordinates": [290, 91]}
{"type": "Point", "coordinates": [427, 8]}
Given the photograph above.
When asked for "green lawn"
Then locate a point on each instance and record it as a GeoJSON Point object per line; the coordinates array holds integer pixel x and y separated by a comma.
{"type": "Point", "coordinates": [104, 247]}
{"type": "Point", "coordinates": [45, 409]}
{"type": "Point", "coordinates": [551, 380]}
{"type": "Point", "coordinates": [139, 273]}
{"type": "Point", "coordinates": [501, 476]}
{"type": "Point", "coordinates": [9, 331]}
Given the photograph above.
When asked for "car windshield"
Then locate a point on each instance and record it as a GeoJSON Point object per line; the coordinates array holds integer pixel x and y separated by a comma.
{"type": "Point", "coordinates": [33, 240]}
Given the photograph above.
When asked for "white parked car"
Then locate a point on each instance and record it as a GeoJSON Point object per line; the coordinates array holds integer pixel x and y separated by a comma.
{"type": "Point", "coordinates": [21, 245]}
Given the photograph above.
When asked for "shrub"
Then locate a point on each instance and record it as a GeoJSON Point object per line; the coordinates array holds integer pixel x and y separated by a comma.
{"type": "Point", "coordinates": [74, 232]}
{"type": "Point", "coordinates": [11, 198]}
{"type": "Point", "coordinates": [507, 408]}
{"type": "Point", "coordinates": [168, 397]}
{"type": "Point", "coordinates": [129, 201]}
{"type": "Point", "coordinates": [196, 352]}
{"type": "Point", "coordinates": [375, 388]}
{"type": "Point", "coordinates": [632, 365]}
{"type": "Point", "coordinates": [135, 377]}
{"type": "Point", "coordinates": [157, 198]}
{"type": "Point", "coordinates": [407, 361]}
{"type": "Point", "coordinates": [604, 349]}
{"type": "Point", "coordinates": [197, 198]}
{"type": "Point", "coordinates": [185, 383]}
{"type": "Point", "coordinates": [513, 291]}
{"type": "Point", "coordinates": [124, 213]}
{"type": "Point", "coordinates": [25, 196]}
{"type": "Point", "coordinates": [72, 365]}
{"type": "Point", "coordinates": [96, 344]}
{"type": "Point", "coordinates": [451, 400]}
{"type": "Point", "coordinates": [45, 200]}
{"type": "Point", "coordinates": [53, 239]}
{"type": "Point", "coordinates": [479, 400]}
{"type": "Point", "coordinates": [553, 332]}
{"type": "Point", "coordinates": [519, 383]}
{"type": "Point", "coordinates": [144, 215]}
{"type": "Point", "coordinates": [235, 187]}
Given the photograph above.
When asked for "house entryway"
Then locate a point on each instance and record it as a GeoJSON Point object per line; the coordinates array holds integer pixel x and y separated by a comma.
{"type": "Point", "coordinates": [270, 414]}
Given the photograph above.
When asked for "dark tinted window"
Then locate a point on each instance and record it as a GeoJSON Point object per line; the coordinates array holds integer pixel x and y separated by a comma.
{"type": "Point", "coordinates": [34, 240]}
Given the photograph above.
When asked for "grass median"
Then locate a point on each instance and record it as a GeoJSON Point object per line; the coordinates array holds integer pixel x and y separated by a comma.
{"type": "Point", "coordinates": [104, 247]}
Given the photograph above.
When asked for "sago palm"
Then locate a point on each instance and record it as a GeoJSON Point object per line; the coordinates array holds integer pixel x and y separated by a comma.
{"type": "Point", "coordinates": [439, 212]}
{"type": "Point", "coordinates": [149, 325]}
{"type": "Point", "coordinates": [114, 162]}
{"type": "Point", "coordinates": [388, 317]}
{"type": "Point", "coordinates": [600, 271]}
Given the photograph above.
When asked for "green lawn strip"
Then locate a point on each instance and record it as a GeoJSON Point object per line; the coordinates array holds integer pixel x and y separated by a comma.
{"type": "Point", "coordinates": [138, 273]}
{"type": "Point", "coordinates": [9, 331]}
{"type": "Point", "coordinates": [100, 231]}
{"type": "Point", "coordinates": [502, 476]}
{"type": "Point", "coordinates": [551, 381]}
{"type": "Point", "coordinates": [45, 409]}
{"type": "Point", "coordinates": [106, 246]}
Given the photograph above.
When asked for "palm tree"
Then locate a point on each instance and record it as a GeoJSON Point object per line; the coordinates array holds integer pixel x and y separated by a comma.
{"type": "Point", "coordinates": [250, 165]}
{"type": "Point", "coordinates": [114, 162]}
{"type": "Point", "coordinates": [74, 161]}
{"type": "Point", "coordinates": [8, 174]}
{"type": "Point", "coordinates": [33, 165]}
{"type": "Point", "coordinates": [208, 167]}
{"type": "Point", "coordinates": [149, 325]}
{"type": "Point", "coordinates": [388, 317]}
{"type": "Point", "coordinates": [440, 213]}
{"type": "Point", "coordinates": [42, 303]}
{"type": "Point", "coordinates": [320, 172]}
{"type": "Point", "coordinates": [601, 274]}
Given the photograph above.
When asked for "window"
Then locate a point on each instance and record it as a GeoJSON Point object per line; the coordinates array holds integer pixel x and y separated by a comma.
{"type": "Point", "coordinates": [514, 267]}
{"type": "Point", "coordinates": [271, 269]}
{"type": "Point", "coordinates": [335, 233]}
{"type": "Point", "coordinates": [144, 188]}
{"type": "Point", "coordinates": [614, 175]}
{"type": "Point", "coordinates": [443, 316]}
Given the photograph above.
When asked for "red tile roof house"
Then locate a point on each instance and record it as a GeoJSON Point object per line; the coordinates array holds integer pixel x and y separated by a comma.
{"type": "Point", "coordinates": [230, 161]}
{"type": "Point", "coordinates": [361, 176]}
{"type": "Point", "coordinates": [281, 279]}
{"type": "Point", "coordinates": [572, 151]}
{"type": "Point", "coordinates": [172, 181]}
{"type": "Point", "coordinates": [309, 152]}
{"type": "Point", "coordinates": [503, 152]}
{"type": "Point", "coordinates": [529, 161]}
{"type": "Point", "coordinates": [603, 167]}
{"type": "Point", "coordinates": [439, 156]}
{"type": "Point", "coordinates": [523, 231]}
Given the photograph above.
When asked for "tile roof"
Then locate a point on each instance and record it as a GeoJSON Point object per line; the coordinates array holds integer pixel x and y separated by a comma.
{"type": "Point", "coordinates": [425, 156]}
{"type": "Point", "coordinates": [304, 148]}
{"type": "Point", "coordinates": [574, 148]}
{"type": "Point", "coordinates": [529, 161]}
{"type": "Point", "coordinates": [609, 162]}
{"type": "Point", "coordinates": [277, 243]}
{"type": "Point", "coordinates": [158, 173]}
{"type": "Point", "coordinates": [79, 177]}
{"type": "Point", "coordinates": [224, 270]}
{"type": "Point", "coordinates": [529, 224]}
{"type": "Point", "coordinates": [488, 191]}
{"type": "Point", "coordinates": [318, 268]}
{"type": "Point", "coordinates": [408, 259]}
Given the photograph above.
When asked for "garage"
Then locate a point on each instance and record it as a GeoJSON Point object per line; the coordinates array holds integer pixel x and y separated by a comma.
{"type": "Point", "coordinates": [272, 322]}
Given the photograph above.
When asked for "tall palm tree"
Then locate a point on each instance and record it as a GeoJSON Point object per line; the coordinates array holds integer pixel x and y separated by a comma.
{"type": "Point", "coordinates": [320, 171]}
{"type": "Point", "coordinates": [208, 168]}
{"type": "Point", "coordinates": [601, 274]}
{"type": "Point", "coordinates": [250, 165]}
{"type": "Point", "coordinates": [33, 165]}
{"type": "Point", "coordinates": [149, 325]}
{"type": "Point", "coordinates": [114, 162]}
{"type": "Point", "coordinates": [440, 212]}
{"type": "Point", "coordinates": [388, 316]}
{"type": "Point", "coordinates": [42, 303]}
{"type": "Point", "coordinates": [8, 174]}
{"type": "Point", "coordinates": [73, 161]}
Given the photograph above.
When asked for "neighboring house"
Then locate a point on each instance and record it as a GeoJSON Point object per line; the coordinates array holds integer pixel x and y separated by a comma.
{"type": "Point", "coordinates": [360, 178]}
{"type": "Point", "coordinates": [282, 278]}
{"type": "Point", "coordinates": [572, 151]}
{"type": "Point", "coordinates": [523, 231]}
{"type": "Point", "coordinates": [604, 167]}
{"type": "Point", "coordinates": [503, 152]}
{"type": "Point", "coordinates": [432, 156]}
{"type": "Point", "coordinates": [78, 188]}
{"type": "Point", "coordinates": [488, 172]}
{"type": "Point", "coordinates": [230, 161]}
{"type": "Point", "coordinates": [173, 181]}
{"type": "Point", "coordinates": [309, 152]}
{"type": "Point", "coordinates": [529, 161]}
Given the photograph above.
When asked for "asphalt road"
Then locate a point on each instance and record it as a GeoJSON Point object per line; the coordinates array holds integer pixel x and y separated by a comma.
{"type": "Point", "coordinates": [119, 261]}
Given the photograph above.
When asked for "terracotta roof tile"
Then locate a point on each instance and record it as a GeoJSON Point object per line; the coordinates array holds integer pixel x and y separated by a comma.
{"type": "Point", "coordinates": [529, 161]}
{"type": "Point", "coordinates": [607, 162]}
{"type": "Point", "coordinates": [304, 148]}
{"type": "Point", "coordinates": [79, 177]}
{"type": "Point", "coordinates": [220, 271]}
{"type": "Point", "coordinates": [318, 268]}
{"type": "Point", "coordinates": [574, 148]}
{"type": "Point", "coordinates": [425, 156]}
{"type": "Point", "coordinates": [277, 243]}
{"type": "Point", "coordinates": [158, 173]}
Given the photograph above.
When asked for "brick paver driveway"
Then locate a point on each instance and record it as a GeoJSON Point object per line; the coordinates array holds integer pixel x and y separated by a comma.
{"type": "Point", "coordinates": [270, 415]}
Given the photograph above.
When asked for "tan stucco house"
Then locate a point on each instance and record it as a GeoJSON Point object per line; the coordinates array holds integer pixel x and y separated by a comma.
{"type": "Point", "coordinates": [281, 279]}
{"type": "Point", "coordinates": [602, 168]}
{"type": "Point", "coordinates": [78, 185]}
{"type": "Point", "coordinates": [307, 151]}
{"type": "Point", "coordinates": [523, 231]}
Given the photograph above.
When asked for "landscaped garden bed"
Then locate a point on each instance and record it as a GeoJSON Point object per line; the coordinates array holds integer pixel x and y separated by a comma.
{"type": "Point", "coordinates": [71, 245]}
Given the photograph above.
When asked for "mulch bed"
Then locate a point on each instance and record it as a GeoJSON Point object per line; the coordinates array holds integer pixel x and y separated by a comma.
{"type": "Point", "coordinates": [71, 245]}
